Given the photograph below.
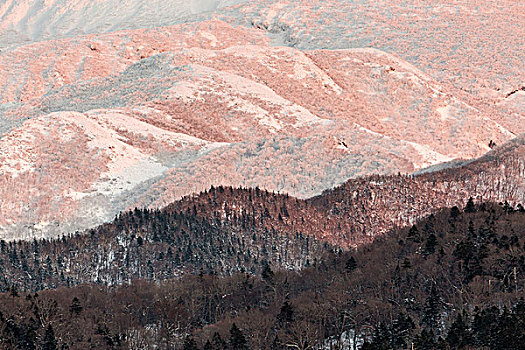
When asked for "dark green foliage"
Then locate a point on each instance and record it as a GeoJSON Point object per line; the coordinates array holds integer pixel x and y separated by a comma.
{"type": "Point", "coordinates": [459, 334]}
{"type": "Point", "coordinates": [267, 272]}
{"type": "Point", "coordinates": [218, 342]}
{"type": "Point", "coordinates": [454, 212]}
{"type": "Point", "coordinates": [380, 340]}
{"type": "Point", "coordinates": [402, 329]}
{"type": "Point", "coordinates": [237, 339]}
{"type": "Point", "coordinates": [406, 263]}
{"type": "Point", "coordinates": [351, 264]}
{"type": "Point", "coordinates": [425, 340]}
{"type": "Point", "coordinates": [208, 345]}
{"type": "Point", "coordinates": [430, 244]}
{"type": "Point", "coordinates": [416, 235]}
{"type": "Point", "coordinates": [432, 309]}
{"type": "Point", "coordinates": [286, 314]}
{"type": "Point", "coordinates": [413, 233]}
{"type": "Point", "coordinates": [470, 207]}
{"type": "Point", "coordinates": [75, 307]}
{"type": "Point", "coordinates": [50, 342]}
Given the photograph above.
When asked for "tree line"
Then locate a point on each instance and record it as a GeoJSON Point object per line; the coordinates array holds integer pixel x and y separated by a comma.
{"type": "Point", "coordinates": [453, 280]}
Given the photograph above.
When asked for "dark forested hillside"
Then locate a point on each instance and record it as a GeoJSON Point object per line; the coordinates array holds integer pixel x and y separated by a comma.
{"type": "Point", "coordinates": [158, 245]}
{"type": "Point", "coordinates": [226, 230]}
{"type": "Point", "coordinates": [249, 269]}
{"type": "Point", "coordinates": [361, 209]}
{"type": "Point", "coordinates": [367, 207]}
{"type": "Point", "coordinates": [453, 280]}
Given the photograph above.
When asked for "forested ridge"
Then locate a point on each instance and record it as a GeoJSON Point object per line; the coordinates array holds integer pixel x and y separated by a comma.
{"type": "Point", "coordinates": [157, 245]}
{"type": "Point", "coordinates": [453, 280]}
{"type": "Point", "coordinates": [360, 209]}
{"type": "Point", "coordinates": [225, 230]}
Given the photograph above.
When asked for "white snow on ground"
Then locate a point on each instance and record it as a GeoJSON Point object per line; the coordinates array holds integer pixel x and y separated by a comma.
{"type": "Point", "coordinates": [245, 87]}
{"type": "Point", "coordinates": [16, 150]}
{"type": "Point", "coordinates": [123, 173]}
{"type": "Point", "coordinates": [118, 120]}
{"type": "Point", "coordinates": [129, 166]}
{"type": "Point", "coordinates": [303, 68]}
{"type": "Point", "coordinates": [239, 92]}
{"type": "Point", "coordinates": [398, 62]}
{"type": "Point", "coordinates": [344, 341]}
{"type": "Point", "coordinates": [212, 38]}
{"type": "Point", "coordinates": [519, 95]}
{"type": "Point", "coordinates": [187, 91]}
{"type": "Point", "coordinates": [114, 184]}
{"type": "Point", "coordinates": [485, 118]}
{"type": "Point", "coordinates": [445, 112]}
{"type": "Point", "coordinates": [428, 156]}
{"type": "Point", "coordinates": [198, 6]}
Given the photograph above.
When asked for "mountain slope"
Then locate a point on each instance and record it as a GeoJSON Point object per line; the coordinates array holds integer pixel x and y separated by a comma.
{"type": "Point", "coordinates": [153, 111]}
{"type": "Point", "coordinates": [156, 245]}
{"type": "Point", "coordinates": [361, 209]}
{"type": "Point", "coordinates": [476, 55]}
{"type": "Point", "coordinates": [25, 21]}
{"type": "Point", "coordinates": [379, 203]}
{"type": "Point", "coordinates": [356, 211]}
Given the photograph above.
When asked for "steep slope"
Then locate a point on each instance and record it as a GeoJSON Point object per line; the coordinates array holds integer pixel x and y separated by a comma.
{"type": "Point", "coordinates": [154, 111]}
{"type": "Point", "coordinates": [374, 205]}
{"type": "Point", "coordinates": [473, 50]}
{"type": "Point", "coordinates": [364, 208]}
{"type": "Point", "coordinates": [33, 70]}
{"type": "Point", "coordinates": [159, 245]}
{"type": "Point", "coordinates": [226, 230]}
{"type": "Point", "coordinates": [359, 210]}
{"type": "Point", "coordinates": [25, 21]}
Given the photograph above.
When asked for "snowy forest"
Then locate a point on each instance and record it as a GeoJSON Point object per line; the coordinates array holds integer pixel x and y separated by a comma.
{"type": "Point", "coordinates": [453, 280]}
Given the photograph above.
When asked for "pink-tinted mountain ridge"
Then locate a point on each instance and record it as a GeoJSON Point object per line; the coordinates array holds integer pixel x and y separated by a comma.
{"type": "Point", "coordinates": [95, 124]}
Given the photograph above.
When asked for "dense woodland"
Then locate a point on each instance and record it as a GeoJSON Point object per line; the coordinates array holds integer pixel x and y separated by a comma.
{"type": "Point", "coordinates": [162, 244]}
{"type": "Point", "coordinates": [355, 212]}
{"type": "Point", "coordinates": [453, 280]}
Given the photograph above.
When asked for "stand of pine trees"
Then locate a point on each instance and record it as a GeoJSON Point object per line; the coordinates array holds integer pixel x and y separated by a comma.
{"type": "Point", "coordinates": [454, 280]}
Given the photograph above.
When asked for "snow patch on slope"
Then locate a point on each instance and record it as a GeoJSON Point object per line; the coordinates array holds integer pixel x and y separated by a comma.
{"type": "Point", "coordinates": [128, 166]}
{"type": "Point", "coordinates": [242, 94]}
{"type": "Point", "coordinates": [198, 6]}
{"type": "Point", "coordinates": [398, 62]}
{"type": "Point", "coordinates": [16, 156]}
{"type": "Point", "coordinates": [428, 156]}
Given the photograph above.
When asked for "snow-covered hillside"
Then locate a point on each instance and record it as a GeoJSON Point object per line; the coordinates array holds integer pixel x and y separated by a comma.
{"type": "Point", "coordinates": [287, 96]}
{"type": "Point", "coordinates": [23, 21]}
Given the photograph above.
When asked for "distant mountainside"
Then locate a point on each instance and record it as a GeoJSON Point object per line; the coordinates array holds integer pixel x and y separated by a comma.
{"type": "Point", "coordinates": [226, 230]}
{"type": "Point", "coordinates": [263, 174]}
{"type": "Point", "coordinates": [109, 122]}
{"type": "Point", "coordinates": [363, 208]}
{"type": "Point", "coordinates": [376, 204]}
{"type": "Point", "coordinates": [477, 54]}
{"type": "Point", "coordinates": [452, 278]}
{"type": "Point", "coordinates": [25, 21]}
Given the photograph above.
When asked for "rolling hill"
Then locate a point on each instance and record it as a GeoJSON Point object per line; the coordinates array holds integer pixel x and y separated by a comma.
{"type": "Point", "coordinates": [109, 122]}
